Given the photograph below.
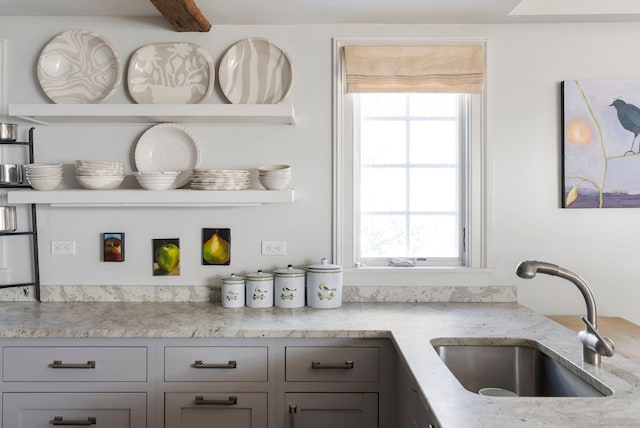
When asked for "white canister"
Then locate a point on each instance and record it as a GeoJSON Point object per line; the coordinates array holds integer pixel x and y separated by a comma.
{"type": "Point", "coordinates": [259, 290]}
{"type": "Point", "coordinates": [289, 287]}
{"type": "Point", "coordinates": [324, 285]}
{"type": "Point", "coordinates": [233, 291]}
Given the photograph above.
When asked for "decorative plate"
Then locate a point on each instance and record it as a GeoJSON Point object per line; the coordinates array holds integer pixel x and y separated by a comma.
{"type": "Point", "coordinates": [79, 67]}
{"type": "Point", "coordinates": [255, 71]}
{"type": "Point", "coordinates": [168, 147]}
{"type": "Point", "coordinates": [170, 73]}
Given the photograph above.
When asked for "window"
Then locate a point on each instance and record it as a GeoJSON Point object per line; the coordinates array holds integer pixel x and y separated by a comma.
{"type": "Point", "coordinates": [410, 176]}
{"type": "Point", "coordinates": [409, 180]}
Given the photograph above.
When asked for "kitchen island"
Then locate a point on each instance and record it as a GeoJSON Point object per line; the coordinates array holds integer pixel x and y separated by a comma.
{"type": "Point", "coordinates": [410, 326]}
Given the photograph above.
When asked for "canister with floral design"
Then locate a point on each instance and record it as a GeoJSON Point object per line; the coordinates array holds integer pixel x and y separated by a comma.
{"type": "Point", "coordinates": [233, 291]}
{"type": "Point", "coordinates": [259, 290]}
{"type": "Point", "coordinates": [324, 285]}
{"type": "Point", "coordinates": [289, 288]}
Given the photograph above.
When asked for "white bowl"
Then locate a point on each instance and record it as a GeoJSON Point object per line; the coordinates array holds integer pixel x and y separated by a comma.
{"type": "Point", "coordinates": [44, 183]}
{"type": "Point", "coordinates": [274, 168]}
{"type": "Point", "coordinates": [274, 183]}
{"type": "Point", "coordinates": [156, 182]}
{"type": "Point", "coordinates": [100, 182]}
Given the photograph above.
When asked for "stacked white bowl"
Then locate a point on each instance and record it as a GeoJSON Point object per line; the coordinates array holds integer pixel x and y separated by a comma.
{"type": "Point", "coordinates": [99, 175]}
{"type": "Point", "coordinates": [154, 180]}
{"type": "Point", "coordinates": [43, 176]}
{"type": "Point", "coordinates": [274, 177]}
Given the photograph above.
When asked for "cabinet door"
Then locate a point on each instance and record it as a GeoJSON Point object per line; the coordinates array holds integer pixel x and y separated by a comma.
{"type": "Point", "coordinates": [43, 410]}
{"type": "Point", "coordinates": [215, 410]}
{"type": "Point", "coordinates": [334, 410]}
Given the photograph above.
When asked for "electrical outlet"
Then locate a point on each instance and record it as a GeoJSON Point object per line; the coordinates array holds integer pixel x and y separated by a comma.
{"type": "Point", "coordinates": [63, 247]}
{"type": "Point", "coordinates": [273, 248]}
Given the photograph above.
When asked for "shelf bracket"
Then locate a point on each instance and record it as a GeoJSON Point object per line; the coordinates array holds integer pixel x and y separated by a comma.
{"type": "Point", "coordinates": [183, 15]}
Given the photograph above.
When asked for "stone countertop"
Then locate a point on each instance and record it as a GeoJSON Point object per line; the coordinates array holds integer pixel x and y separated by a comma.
{"type": "Point", "coordinates": [410, 325]}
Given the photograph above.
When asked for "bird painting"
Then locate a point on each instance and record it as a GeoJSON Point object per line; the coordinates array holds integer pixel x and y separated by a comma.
{"type": "Point", "coordinates": [629, 118]}
{"type": "Point", "coordinates": [601, 167]}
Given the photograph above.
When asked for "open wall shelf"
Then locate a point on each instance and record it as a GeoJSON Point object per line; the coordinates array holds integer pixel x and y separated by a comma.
{"type": "Point", "coordinates": [149, 198]}
{"type": "Point", "coordinates": [146, 114]}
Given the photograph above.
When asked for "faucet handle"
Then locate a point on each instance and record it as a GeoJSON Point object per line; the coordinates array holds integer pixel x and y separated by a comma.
{"type": "Point", "coordinates": [602, 345]}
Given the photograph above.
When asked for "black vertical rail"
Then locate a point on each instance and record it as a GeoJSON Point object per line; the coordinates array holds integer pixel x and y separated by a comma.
{"type": "Point", "coordinates": [34, 226]}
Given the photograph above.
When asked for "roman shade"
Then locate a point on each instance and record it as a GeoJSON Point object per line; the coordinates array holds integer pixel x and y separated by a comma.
{"type": "Point", "coordinates": [414, 68]}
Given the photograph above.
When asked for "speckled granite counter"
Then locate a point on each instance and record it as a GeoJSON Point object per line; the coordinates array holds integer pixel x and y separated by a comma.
{"type": "Point", "coordinates": [409, 325]}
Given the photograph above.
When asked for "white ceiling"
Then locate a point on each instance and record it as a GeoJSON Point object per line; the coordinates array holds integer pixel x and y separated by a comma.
{"type": "Point", "coordinates": [236, 12]}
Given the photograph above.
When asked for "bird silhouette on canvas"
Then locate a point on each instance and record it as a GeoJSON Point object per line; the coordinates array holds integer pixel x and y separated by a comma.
{"type": "Point", "coordinates": [629, 118]}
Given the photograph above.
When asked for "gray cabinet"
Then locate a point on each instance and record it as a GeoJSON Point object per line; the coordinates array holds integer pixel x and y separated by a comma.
{"type": "Point", "coordinates": [335, 410]}
{"type": "Point", "coordinates": [338, 383]}
{"type": "Point", "coordinates": [63, 382]}
{"type": "Point", "coordinates": [202, 382]}
{"type": "Point", "coordinates": [216, 409]}
{"type": "Point", "coordinates": [43, 410]}
{"type": "Point", "coordinates": [413, 411]}
{"type": "Point", "coordinates": [217, 383]}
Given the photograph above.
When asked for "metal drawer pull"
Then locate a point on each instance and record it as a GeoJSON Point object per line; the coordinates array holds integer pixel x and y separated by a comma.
{"type": "Point", "coordinates": [347, 365]}
{"type": "Point", "coordinates": [58, 364]}
{"type": "Point", "coordinates": [231, 401]}
{"type": "Point", "coordinates": [59, 420]}
{"type": "Point", "coordinates": [293, 409]}
{"type": "Point", "coordinates": [200, 365]}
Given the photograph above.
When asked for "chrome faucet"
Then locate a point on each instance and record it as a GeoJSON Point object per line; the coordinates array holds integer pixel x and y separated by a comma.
{"type": "Point", "coordinates": [594, 345]}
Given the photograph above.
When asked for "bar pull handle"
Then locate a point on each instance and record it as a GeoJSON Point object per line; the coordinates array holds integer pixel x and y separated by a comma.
{"type": "Point", "coordinates": [59, 420]}
{"type": "Point", "coordinates": [58, 364]}
{"type": "Point", "coordinates": [348, 365]}
{"type": "Point", "coordinates": [293, 409]}
{"type": "Point", "coordinates": [198, 364]}
{"type": "Point", "coordinates": [231, 401]}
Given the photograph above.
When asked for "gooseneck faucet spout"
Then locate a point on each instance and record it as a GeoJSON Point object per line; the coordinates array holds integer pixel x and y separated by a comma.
{"type": "Point", "coordinates": [594, 345]}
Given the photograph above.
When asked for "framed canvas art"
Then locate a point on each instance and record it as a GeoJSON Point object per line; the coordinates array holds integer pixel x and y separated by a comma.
{"type": "Point", "coordinates": [216, 246]}
{"type": "Point", "coordinates": [113, 247]}
{"type": "Point", "coordinates": [166, 257]}
{"type": "Point", "coordinates": [601, 147]}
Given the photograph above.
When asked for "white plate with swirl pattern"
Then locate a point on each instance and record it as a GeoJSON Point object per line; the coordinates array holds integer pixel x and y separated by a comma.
{"type": "Point", "coordinates": [79, 67]}
{"type": "Point", "coordinates": [170, 73]}
{"type": "Point", "coordinates": [168, 147]}
{"type": "Point", "coordinates": [255, 71]}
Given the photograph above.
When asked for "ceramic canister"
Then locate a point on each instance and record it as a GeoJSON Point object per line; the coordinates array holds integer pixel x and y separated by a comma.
{"type": "Point", "coordinates": [289, 287]}
{"type": "Point", "coordinates": [259, 290]}
{"type": "Point", "coordinates": [233, 291]}
{"type": "Point", "coordinates": [324, 285]}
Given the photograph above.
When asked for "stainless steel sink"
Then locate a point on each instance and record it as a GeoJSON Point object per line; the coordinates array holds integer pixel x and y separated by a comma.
{"type": "Point", "coordinates": [522, 366]}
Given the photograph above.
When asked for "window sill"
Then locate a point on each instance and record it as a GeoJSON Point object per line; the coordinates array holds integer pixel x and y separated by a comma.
{"type": "Point", "coordinates": [418, 276]}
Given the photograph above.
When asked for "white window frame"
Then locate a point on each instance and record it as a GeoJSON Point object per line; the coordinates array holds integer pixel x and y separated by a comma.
{"type": "Point", "coordinates": [477, 257]}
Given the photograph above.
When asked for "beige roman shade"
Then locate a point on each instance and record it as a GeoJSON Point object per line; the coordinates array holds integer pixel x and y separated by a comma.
{"type": "Point", "coordinates": [414, 68]}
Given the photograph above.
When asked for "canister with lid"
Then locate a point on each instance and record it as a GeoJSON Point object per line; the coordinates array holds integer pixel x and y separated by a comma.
{"type": "Point", "coordinates": [289, 287]}
{"type": "Point", "coordinates": [324, 285]}
{"type": "Point", "coordinates": [233, 291]}
{"type": "Point", "coordinates": [259, 290]}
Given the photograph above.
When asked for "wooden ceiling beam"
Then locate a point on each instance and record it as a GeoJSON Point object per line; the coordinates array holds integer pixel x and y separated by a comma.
{"type": "Point", "coordinates": [183, 15]}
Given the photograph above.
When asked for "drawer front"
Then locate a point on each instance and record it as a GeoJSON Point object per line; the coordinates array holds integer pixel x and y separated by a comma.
{"type": "Point", "coordinates": [74, 364]}
{"type": "Point", "coordinates": [44, 410]}
{"type": "Point", "coordinates": [331, 364]}
{"type": "Point", "coordinates": [216, 364]}
{"type": "Point", "coordinates": [220, 409]}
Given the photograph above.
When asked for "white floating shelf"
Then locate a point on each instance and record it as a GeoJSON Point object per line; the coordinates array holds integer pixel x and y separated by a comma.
{"type": "Point", "coordinates": [145, 114]}
{"type": "Point", "coordinates": [150, 198]}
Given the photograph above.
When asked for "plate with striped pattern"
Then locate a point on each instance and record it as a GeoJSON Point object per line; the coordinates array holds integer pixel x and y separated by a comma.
{"type": "Point", "coordinates": [255, 71]}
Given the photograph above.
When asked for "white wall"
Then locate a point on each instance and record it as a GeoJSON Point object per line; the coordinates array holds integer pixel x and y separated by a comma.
{"type": "Point", "coordinates": [526, 64]}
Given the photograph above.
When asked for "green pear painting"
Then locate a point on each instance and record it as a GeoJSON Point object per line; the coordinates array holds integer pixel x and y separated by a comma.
{"type": "Point", "coordinates": [601, 148]}
{"type": "Point", "coordinates": [216, 246]}
{"type": "Point", "coordinates": [166, 257]}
